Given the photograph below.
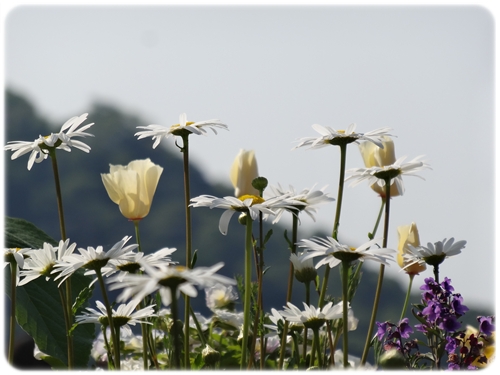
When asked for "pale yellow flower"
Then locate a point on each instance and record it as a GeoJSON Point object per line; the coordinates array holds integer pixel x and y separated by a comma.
{"type": "Point", "coordinates": [132, 187]}
{"type": "Point", "coordinates": [243, 171]}
{"type": "Point", "coordinates": [408, 235]}
{"type": "Point", "coordinates": [374, 156]}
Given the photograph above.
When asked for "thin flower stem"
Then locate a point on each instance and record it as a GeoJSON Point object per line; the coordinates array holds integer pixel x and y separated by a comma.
{"type": "Point", "coordinates": [407, 299]}
{"type": "Point", "coordinates": [381, 272]}
{"type": "Point", "coordinates": [293, 249]}
{"type": "Point", "coordinates": [343, 152]}
{"type": "Point", "coordinates": [108, 349]}
{"type": "Point", "coordinates": [187, 197]}
{"type": "Point", "coordinates": [248, 291]}
{"type": "Point", "coordinates": [345, 297]}
{"type": "Point", "coordinates": [144, 329]}
{"type": "Point", "coordinates": [371, 235]}
{"type": "Point", "coordinates": [12, 318]}
{"type": "Point", "coordinates": [316, 341]}
{"type": "Point", "coordinates": [307, 284]}
{"type": "Point", "coordinates": [198, 327]}
{"type": "Point", "coordinates": [114, 338]}
{"type": "Point", "coordinates": [177, 344]}
{"type": "Point", "coordinates": [62, 227]}
{"type": "Point", "coordinates": [436, 273]}
{"type": "Point", "coordinates": [335, 232]}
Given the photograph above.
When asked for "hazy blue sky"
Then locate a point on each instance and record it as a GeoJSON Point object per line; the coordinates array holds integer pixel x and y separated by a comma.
{"type": "Point", "coordinates": [272, 72]}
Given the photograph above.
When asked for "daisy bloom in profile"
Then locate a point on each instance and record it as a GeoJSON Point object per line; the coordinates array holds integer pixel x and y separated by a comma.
{"type": "Point", "coordinates": [307, 200]}
{"type": "Point", "coordinates": [392, 173]}
{"type": "Point", "coordinates": [249, 204]}
{"type": "Point", "coordinates": [434, 253]}
{"type": "Point", "coordinates": [92, 259]}
{"type": "Point", "coordinates": [312, 317]}
{"type": "Point", "coordinates": [63, 140]}
{"type": "Point", "coordinates": [131, 262]}
{"type": "Point", "coordinates": [167, 279]}
{"type": "Point", "coordinates": [15, 256]}
{"type": "Point", "coordinates": [334, 253]}
{"type": "Point", "coordinates": [132, 187]}
{"type": "Point", "coordinates": [304, 269]}
{"type": "Point", "coordinates": [408, 235]}
{"type": "Point", "coordinates": [183, 128]}
{"type": "Point", "coordinates": [42, 262]}
{"type": "Point", "coordinates": [329, 136]}
{"type": "Point", "coordinates": [124, 316]}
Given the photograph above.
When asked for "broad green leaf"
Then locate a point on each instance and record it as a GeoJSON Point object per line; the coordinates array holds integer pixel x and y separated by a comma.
{"type": "Point", "coordinates": [38, 304]}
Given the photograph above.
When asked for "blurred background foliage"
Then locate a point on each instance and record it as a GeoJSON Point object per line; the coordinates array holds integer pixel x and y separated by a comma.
{"type": "Point", "coordinates": [92, 219]}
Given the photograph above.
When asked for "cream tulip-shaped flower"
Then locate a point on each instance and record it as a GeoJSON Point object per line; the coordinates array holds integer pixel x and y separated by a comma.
{"type": "Point", "coordinates": [133, 186]}
{"type": "Point", "coordinates": [243, 171]}
{"type": "Point", "coordinates": [408, 235]}
{"type": "Point", "coordinates": [374, 156]}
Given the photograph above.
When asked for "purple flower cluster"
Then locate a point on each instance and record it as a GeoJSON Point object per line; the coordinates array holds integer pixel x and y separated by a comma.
{"type": "Point", "coordinates": [442, 306]}
{"type": "Point", "coordinates": [395, 333]}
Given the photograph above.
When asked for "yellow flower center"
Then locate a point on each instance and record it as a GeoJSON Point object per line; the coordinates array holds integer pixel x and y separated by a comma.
{"type": "Point", "coordinates": [341, 131]}
{"type": "Point", "coordinates": [179, 125]}
{"type": "Point", "coordinates": [255, 199]}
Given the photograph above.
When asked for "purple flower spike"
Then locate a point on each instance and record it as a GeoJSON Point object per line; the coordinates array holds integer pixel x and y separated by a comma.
{"type": "Point", "coordinates": [381, 331]}
{"type": "Point", "coordinates": [404, 328]}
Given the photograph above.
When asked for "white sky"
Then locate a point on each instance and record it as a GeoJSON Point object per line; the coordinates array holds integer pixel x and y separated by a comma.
{"type": "Point", "coordinates": [272, 72]}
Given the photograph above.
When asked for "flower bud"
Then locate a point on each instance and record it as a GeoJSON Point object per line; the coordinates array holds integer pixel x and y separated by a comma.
{"type": "Point", "coordinates": [210, 355]}
{"type": "Point", "coordinates": [408, 235]}
{"type": "Point", "coordinates": [374, 156]}
{"type": "Point", "coordinates": [133, 186]}
{"type": "Point", "coordinates": [243, 171]}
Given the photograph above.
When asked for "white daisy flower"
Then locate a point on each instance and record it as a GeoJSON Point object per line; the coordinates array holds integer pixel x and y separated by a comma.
{"type": "Point", "coordinates": [157, 132]}
{"type": "Point", "coordinates": [131, 262]}
{"type": "Point", "coordinates": [334, 253]}
{"type": "Point", "coordinates": [434, 253]}
{"type": "Point", "coordinates": [123, 317]}
{"type": "Point", "coordinates": [42, 262]}
{"type": "Point", "coordinates": [220, 296]}
{"type": "Point", "coordinates": [306, 200]}
{"type": "Point", "coordinates": [249, 204]}
{"type": "Point", "coordinates": [62, 140]}
{"type": "Point", "coordinates": [164, 279]}
{"type": "Point", "coordinates": [16, 255]}
{"type": "Point", "coordinates": [227, 317]}
{"type": "Point", "coordinates": [393, 172]}
{"type": "Point", "coordinates": [304, 269]}
{"type": "Point", "coordinates": [334, 137]}
{"type": "Point", "coordinates": [312, 317]}
{"type": "Point", "coordinates": [92, 259]}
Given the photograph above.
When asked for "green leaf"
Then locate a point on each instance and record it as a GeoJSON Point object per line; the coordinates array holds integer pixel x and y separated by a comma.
{"type": "Point", "coordinates": [21, 233]}
{"type": "Point", "coordinates": [38, 304]}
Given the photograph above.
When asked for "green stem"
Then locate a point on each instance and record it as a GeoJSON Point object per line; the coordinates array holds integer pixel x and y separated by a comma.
{"type": "Point", "coordinates": [335, 232]}
{"type": "Point", "coordinates": [248, 291]}
{"type": "Point", "coordinates": [371, 235]}
{"type": "Point", "coordinates": [187, 197]}
{"type": "Point", "coordinates": [114, 338]}
{"type": "Point", "coordinates": [316, 343]}
{"type": "Point", "coordinates": [198, 327]}
{"type": "Point", "coordinates": [436, 273]}
{"type": "Point", "coordinates": [293, 249]}
{"type": "Point", "coordinates": [62, 227]}
{"type": "Point", "coordinates": [345, 297]}
{"type": "Point", "coordinates": [381, 272]}
{"type": "Point", "coordinates": [308, 303]}
{"type": "Point", "coordinates": [343, 152]}
{"type": "Point", "coordinates": [144, 328]}
{"type": "Point", "coordinates": [12, 318]}
{"type": "Point", "coordinates": [407, 299]}
{"type": "Point", "coordinates": [108, 349]}
{"type": "Point", "coordinates": [177, 344]}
